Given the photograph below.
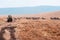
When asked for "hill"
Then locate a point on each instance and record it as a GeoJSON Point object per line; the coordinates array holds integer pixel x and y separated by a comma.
{"type": "Point", "coordinates": [28, 10]}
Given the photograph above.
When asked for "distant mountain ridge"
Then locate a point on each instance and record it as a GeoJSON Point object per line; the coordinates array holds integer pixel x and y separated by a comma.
{"type": "Point", "coordinates": [28, 10]}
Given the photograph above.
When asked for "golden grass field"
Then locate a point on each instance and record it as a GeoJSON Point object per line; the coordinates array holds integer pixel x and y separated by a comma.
{"type": "Point", "coordinates": [29, 29]}
{"type": "Point", "coordinates": [34, 29]}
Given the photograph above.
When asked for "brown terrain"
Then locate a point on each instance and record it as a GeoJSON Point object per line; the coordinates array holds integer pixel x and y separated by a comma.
{"type": "Point", "coordinates": [34, 27]}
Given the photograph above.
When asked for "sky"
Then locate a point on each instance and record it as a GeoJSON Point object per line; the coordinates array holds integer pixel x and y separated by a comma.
{"type": "Point", "coordinates": [28, 6]}
{"type": "Point", "coordinates": [28, 3]}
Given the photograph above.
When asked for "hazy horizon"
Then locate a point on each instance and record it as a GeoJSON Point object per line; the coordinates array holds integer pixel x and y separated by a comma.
{"type": "Point", "coordinates": [28, 10]}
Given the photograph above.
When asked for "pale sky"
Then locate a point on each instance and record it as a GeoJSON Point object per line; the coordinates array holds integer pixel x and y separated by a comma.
{"type": "Point", "coordinates": [28, 3]}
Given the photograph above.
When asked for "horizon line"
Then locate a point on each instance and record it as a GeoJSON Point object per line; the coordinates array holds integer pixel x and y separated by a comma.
{"type": "Point", "coordinates": [30, 6]}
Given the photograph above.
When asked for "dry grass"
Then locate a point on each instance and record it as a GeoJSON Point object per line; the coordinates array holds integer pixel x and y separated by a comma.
{"type": "Point", "coordinates": [35, 29]}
